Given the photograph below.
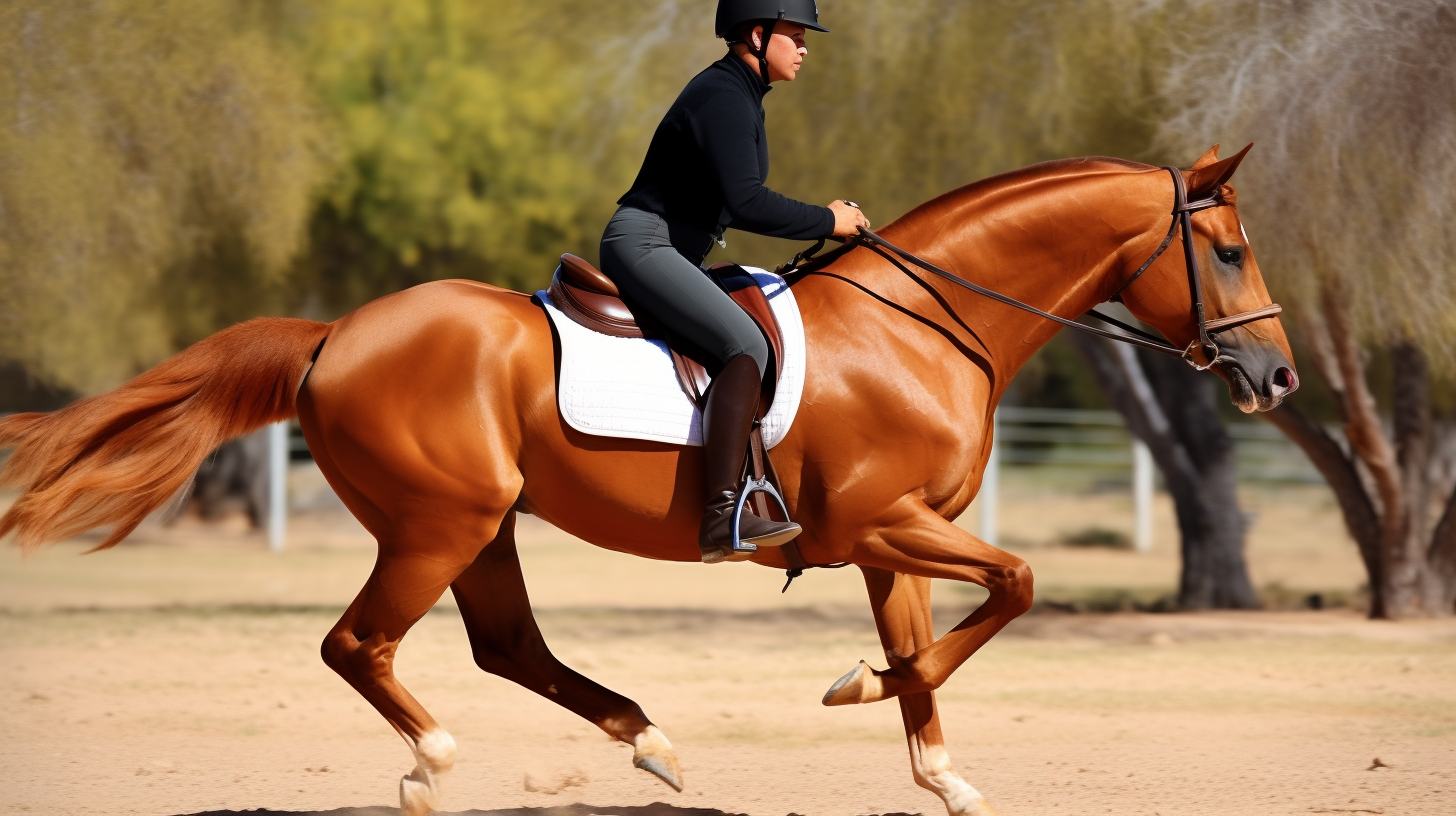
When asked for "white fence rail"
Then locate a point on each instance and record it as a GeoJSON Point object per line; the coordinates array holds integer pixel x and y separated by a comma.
{"type": "Point", "coordinates": [278, 450]}
{"type": "Point", "coordinates": [1043, 438]}
{"type": "Point", "coordinates": [1096, 444]}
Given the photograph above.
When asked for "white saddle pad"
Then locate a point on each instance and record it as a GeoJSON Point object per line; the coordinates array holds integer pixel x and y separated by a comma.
{"type": "Point", "coordinates": [627, 387]}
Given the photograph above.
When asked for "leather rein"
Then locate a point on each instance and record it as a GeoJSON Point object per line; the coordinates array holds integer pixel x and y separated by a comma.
{"type": "Point", "coordinates": [1182, 211]}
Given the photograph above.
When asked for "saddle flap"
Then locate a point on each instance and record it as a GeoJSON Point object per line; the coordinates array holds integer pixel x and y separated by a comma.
{"type": "Point", "coordinates": [740, 285]}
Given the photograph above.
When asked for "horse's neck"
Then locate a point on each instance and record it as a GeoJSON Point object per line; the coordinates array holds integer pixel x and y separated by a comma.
{"type": "Point", "coordinates": [1058, 242]}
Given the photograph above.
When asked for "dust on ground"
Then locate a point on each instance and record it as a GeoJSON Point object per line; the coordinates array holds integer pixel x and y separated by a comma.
{"type": "Point", "coordinates": [180, 674]}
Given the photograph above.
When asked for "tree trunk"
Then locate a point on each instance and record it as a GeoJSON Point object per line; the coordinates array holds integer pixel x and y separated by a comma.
{"type": "Point", "coordinates": [1387, 505]}
{"type": "Point", "coordinates": [1403, 577]}
{"type": "Point", "coordinates": [1170, 407]}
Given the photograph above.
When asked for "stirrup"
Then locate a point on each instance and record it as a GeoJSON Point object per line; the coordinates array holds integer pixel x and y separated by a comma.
{"type": "Point", "coordinates": [742, 550]}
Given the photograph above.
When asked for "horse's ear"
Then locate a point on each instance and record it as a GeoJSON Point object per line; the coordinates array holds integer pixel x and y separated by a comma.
{"type": "Point", "coordinates": [1203, 182]}
{"type": "Point", "coordinates": [1206, 159]}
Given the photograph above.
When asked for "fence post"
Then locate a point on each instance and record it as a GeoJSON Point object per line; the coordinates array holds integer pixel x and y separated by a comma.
{"type": "Point", "coordinates": [277, 485]}
{"type": "Point", "coordinates": [1142, 496]}
{"type": "Point", "coordinates": [991, 484]}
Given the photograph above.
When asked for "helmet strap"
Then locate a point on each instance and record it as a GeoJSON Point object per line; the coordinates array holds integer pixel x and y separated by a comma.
{"type": "Point", "coordinates": [762, 52]}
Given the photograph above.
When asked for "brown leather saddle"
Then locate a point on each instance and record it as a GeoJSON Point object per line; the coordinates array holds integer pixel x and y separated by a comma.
{"type": "Point", "coordinates": [590, 298]}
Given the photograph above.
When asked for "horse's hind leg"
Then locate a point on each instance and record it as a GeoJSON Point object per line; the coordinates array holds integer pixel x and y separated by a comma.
{"type": "Point", "coordinates": [506, 642]}
{"type": "Point", "coordinates": [901, 605]}
{"type": "Point", "coordinates": [408, 578]}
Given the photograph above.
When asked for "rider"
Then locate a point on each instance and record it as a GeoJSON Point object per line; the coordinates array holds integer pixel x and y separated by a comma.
{"type": "Point", "coordinates": [705, 170]}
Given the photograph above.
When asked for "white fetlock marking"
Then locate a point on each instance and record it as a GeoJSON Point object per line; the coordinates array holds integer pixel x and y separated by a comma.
{"type": "Point", "coordinates": [419, 792]}
{"type": "Point", "coordinates": [934, 772]}
{"type": "Point", "coordinates": [653, 753]}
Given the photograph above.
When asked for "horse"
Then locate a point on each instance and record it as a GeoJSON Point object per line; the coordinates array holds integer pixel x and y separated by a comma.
{"type": "Point", "coordinates": [432, 413]}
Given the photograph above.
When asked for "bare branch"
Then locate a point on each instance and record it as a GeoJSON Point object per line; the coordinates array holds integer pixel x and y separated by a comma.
{"type": "Point", "coordinates": [1354, 175]}
{"type": "Point", "coordinates": [1362, 423]}
{"type": "Point", "coordinates": [1322, 353]}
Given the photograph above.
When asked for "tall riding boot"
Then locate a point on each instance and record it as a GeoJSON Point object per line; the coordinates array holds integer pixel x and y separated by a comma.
{"type": "Point", "coordinates": [727, 422]}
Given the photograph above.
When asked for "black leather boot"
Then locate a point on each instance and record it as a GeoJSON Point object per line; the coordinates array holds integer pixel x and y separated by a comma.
{"type": "Point", "coordinates": [727, 422]}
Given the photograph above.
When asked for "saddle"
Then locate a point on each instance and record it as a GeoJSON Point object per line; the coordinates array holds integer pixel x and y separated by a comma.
{"type": "Point", "coordinates": [590, 298]}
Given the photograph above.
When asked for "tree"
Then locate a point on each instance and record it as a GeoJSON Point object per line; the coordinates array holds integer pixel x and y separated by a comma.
{"type": "Point", "coordinates": [477, 137]}
{"type": "Point", "coordinates": [157, 164]}
{"type": "Point", "coordinates": [1349, 196]}
{"type": "Point", "coordinates": [1170, 407]}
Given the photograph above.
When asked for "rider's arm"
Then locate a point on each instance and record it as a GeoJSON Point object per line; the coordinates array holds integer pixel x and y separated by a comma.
{"type": "Point", "coordinates": [726, 129]}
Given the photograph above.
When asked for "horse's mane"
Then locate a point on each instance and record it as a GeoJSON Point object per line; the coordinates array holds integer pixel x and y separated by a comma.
{"type": "Point", "coordinates": [954, 199]}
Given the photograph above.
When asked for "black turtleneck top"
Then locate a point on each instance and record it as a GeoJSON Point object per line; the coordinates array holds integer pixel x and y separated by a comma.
{"type": "Point", "coordinates": [708, 162]}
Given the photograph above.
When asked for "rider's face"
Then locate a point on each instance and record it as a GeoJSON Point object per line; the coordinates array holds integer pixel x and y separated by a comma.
{"type": "Point", "coordinates": [786, 50]}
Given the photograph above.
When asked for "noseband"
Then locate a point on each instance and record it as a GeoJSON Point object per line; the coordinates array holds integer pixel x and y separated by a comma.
{"type": "Point", "coordinates": [1182, 210]}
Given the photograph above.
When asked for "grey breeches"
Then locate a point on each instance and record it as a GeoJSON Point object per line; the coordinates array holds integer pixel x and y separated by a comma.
{"type": "Point", "coordinates": [656, 266]}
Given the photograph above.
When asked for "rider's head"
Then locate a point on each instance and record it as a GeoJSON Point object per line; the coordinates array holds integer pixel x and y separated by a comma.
{"type": "Point", "coordinates": [768, 33]}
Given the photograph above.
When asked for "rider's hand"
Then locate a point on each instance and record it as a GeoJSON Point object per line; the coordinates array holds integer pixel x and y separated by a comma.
{"type": "Point", "coordinates": [847, 219]}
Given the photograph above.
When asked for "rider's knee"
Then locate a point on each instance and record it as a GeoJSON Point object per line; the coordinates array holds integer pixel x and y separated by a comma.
{"type": "Point", "coordinates": [755, 346]}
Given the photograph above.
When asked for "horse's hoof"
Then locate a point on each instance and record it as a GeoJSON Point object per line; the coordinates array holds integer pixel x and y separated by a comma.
{"type": "Point", "coordinates": [419, 792]}
{"type": "Point", "coordinates": [417, 796]}
{"type": "Point", "coordinates": [860, 685]}
{"type": "Point", "coordinates": [978, 807]}
{"type": "Point", "coordinates": [653, 754]}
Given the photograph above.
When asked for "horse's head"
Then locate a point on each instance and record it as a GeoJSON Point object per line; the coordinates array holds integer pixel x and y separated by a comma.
{"type": "Point", "coordinates": [1254, 359]}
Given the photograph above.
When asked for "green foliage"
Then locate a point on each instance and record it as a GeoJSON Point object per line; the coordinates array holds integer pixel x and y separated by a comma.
{"type": "Point", "coordinates": [447, 113]}
{"type": "Point", "coordinates": [175, 166]}
{"type": "Point", "coordinates": [141, 138]}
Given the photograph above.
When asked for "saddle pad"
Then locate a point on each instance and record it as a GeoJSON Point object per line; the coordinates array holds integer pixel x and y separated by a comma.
{"type": "Point", "coordinates": [626, 387]}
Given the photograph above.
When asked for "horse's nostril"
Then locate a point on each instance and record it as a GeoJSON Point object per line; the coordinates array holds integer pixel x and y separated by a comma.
{"type": "Point", "coordinates": [1284, 380]}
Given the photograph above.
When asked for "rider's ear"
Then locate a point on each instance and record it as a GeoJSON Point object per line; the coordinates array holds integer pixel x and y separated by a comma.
{"type": "Point", "coordinates": [1203, 182]}
{"type": "Point", "coordinates": [1206, 159]}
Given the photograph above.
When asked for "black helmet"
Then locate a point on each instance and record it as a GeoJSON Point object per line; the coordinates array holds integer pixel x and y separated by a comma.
{"type": "Point", "coordinates": [734, 13]}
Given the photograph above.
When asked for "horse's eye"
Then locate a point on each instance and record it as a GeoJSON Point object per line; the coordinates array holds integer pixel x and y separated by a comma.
{"type": "Point", "coordinates": [1233, 256]}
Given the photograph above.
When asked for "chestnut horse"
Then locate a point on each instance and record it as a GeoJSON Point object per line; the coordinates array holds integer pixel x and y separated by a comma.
{"type": "Point", "coordinates": [432, 412]}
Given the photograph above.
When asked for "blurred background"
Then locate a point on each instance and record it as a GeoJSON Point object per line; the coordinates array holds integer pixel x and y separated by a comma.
{"type": "Point", "coordinates": [170, 167]}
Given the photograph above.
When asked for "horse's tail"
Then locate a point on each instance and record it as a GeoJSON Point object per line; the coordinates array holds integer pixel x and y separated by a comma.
{"type": "Point", "coordinates": [114, 459]}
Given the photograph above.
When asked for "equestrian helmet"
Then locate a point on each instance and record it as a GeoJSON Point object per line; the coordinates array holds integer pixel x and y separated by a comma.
{"type": "Point", "coordinates": [734, 13]}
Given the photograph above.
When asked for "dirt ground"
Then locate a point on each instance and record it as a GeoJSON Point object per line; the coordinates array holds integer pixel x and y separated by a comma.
{"type": "Point", "coordinates": [180, 674]}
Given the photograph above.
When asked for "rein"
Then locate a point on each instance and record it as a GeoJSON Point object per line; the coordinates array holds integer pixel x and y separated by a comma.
{"type": "Point", "coordinates": [1182, 210]}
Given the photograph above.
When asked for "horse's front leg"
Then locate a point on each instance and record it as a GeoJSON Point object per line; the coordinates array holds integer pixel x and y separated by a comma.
{"type": "Point", "coordinates": [901, 604]}
{"type": "Point", "coordinates": [917, 541]}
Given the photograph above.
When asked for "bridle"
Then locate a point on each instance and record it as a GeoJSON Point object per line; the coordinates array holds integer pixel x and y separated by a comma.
{"type": "Point", "coordinates": [1182, 211]}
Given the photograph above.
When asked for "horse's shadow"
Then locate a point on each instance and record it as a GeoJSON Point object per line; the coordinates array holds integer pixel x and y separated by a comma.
{"type": "Point", "coordinates": [654, 809]}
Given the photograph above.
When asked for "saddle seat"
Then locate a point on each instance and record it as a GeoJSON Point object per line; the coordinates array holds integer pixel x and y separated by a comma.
{"type": "Point", "coordinates": [590, 298]}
